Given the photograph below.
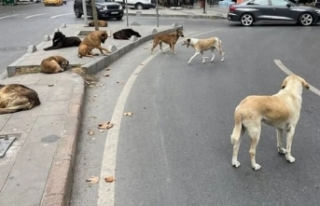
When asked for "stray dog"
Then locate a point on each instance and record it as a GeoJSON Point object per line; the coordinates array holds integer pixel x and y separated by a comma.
{"type": "Point", "coordinates": [281, 110]}
{"type": "Point", "coordinates": [54, 64]}
{"type": "Point", "coordinates": [125, 34]}
{"type": "Point", "coordinates": [101, 23]}
{"type": "Point", "coordinates": [201, 45]}
{"type": "Point", "coordinates": [17, 97]}
{"type": "Point", "coordinates": [170, 39]}
{"type": "Point", "coordinates": [91, 41]}
{"type": "Point", "coordinates": [61, 41]}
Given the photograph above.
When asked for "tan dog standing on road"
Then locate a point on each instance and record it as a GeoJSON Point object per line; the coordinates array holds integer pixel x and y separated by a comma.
{"type": "Point", "coordinates": [281, 110]}
{"type": "Point", "coordinates": [17, 97]}
{"type": "Point", "coordinates": [170, 39]}
{"type": "Point", "coordinates": [91, 41]}
{"type": "Point", "coordinates": [201, 45]}
{"type": "Point", "coordinates": [54, 64]}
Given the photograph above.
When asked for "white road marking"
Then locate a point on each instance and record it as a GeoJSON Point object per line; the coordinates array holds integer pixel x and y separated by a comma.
{"type": "Point", "coordinates": [53, 17]}
{"type": "Point", "coordinates": [4, 17]}
{"type": "Point", "coordinates": [28, 17]}
{"type": "Point", "coordinates": [288, 72]}
{"type": "Point", "coordinates": [106, 193]}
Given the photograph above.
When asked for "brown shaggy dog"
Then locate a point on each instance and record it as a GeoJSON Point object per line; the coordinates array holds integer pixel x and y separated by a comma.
{"type": "Point", "coordinates": [101, 23]}
{"type": "Point", "coordinates": [170, 39]}
{"type": "Point", "coordinates": [17, 97]}
{"type": "Point", "coordinates": [93, 40]}
{"type": "Point", "coordinates": [54, 64]}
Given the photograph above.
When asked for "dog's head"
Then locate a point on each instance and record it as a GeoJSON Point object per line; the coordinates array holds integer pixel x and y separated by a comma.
{"type": "Point", "coordinates": [294, 81]}
{"type": "Point", "coordinates": [57, 36]}
{"type": "Point", "coordinates": [179, 33]}
{"type": "Point", "coordinates": [103, 36]}
{"type": "Point", "coordinates": [187, 42]}
{"type": "Point", "coordinates": [63, 62]}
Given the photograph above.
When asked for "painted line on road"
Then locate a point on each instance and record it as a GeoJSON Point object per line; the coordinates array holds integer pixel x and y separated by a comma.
{"type": "Point", "coordinates": [4, 17]}
{"type": "Point", "coordinates": [106, 192]}
{"type": "Point", "coordinates": [53, 17]}
{"type": "Point", "coordinates": [28, 17]}
{"type": "Point", "coordinates": [289, 72]}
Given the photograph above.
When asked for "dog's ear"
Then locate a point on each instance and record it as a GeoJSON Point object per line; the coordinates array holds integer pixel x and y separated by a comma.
{"type": "Point", "coordinates": [305, 84]}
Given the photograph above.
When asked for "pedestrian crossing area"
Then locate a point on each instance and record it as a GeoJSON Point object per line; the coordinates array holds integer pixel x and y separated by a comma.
{"type": "Point", "coordinates": [14, 15]}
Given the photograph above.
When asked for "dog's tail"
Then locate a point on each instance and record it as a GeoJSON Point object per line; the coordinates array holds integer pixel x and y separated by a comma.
{"type": "Point", "coordinates": [237, 130]}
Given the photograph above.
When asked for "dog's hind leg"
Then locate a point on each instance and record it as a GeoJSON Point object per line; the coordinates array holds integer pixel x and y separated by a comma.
{"type": "Point", "coordinates": [254, 132]}
{"type": "Point", "coordinates": [290, 133]}
{"type": "Point", "coordinates": [196, 54]}
{"type": "Point", "coordinates": [281, 150]}
{"type": "Point", "coordinates": [237, 132]}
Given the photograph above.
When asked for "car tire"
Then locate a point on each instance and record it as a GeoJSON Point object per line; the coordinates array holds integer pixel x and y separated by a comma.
{"type": "Point", "coordinates": [246, 19]}
{"type": "Point", "coordinates": [305, 19]}
{"type": "Point", "coordinates": [119, 18]}
{"type": "Point", "coordinates": [77, 13]}
{"type": "Point", "coordinates": [139, 6]}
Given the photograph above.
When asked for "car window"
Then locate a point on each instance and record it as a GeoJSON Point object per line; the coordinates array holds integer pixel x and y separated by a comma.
{"type": "Point", "coordinates": [259, 2]}
{"type": "Point", "coordinates": [279, 3]}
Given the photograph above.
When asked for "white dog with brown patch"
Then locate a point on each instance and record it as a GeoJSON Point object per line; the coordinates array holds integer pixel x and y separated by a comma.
{"type": "Point", "coordinates": [201, 45]}
{"type": "Point", "coordinates": [281, 110]}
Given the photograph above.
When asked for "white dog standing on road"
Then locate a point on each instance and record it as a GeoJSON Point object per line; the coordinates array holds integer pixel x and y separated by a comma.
{"type": "Point", "coordinates": [281, 110]}
{"type": "Point", "coordinates": [201, 45]}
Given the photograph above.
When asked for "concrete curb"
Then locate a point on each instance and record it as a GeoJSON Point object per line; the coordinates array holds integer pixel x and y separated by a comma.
{"type": "Point", "coordinates": [59, 182]}
{"type": "Point", "coordinates": [100, 63]}
{"type": "Point", "coordinates": [187, 16]}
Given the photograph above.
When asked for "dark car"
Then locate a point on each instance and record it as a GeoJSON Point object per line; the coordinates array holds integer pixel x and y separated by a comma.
{"type": "Point", "coordinates": [250, 11]}
{"type": "Point", "coordinates": [105, 9]}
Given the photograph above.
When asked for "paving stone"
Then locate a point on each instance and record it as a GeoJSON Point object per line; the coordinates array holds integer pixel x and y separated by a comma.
{"type": "Point", "coordinates": [3, 119]}
{"type": "Point", "coordinates": [19, 125]}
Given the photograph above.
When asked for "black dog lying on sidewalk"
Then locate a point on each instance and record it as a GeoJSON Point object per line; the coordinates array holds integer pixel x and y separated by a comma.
{"type": "Point", "coordinates": [61, 41]}
{"type": "Point", "coordinates": [125, 34]}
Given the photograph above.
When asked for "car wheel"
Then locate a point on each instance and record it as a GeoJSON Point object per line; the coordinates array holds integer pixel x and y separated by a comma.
{"type": "Point", "coordinates": [246, 20]}
{"type": "Point", "coordinates": [139, 6]}
{"type": "Point", "coordinates": [77, 13]}
{"type": "Point", "coordinates": [305, 19]}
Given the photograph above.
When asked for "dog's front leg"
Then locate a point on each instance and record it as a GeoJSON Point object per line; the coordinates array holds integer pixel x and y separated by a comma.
{"type": "Point", "coordinates": [212, 51]}
{"type": "Point", "coordinates": [197, 53]}
{"type": "Point", "coordinates": [281, 150]}
{"type": "Point", "coordinates": [172, 48]}
{"type": "Point", "coordinates": [290, 133]}
{"type": "Point", "coordinates": [160, 44]}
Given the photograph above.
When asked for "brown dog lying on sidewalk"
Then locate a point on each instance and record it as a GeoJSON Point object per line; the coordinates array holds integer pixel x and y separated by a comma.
{"type": "Point", "coordinates": [91, 41]}
{"type": "Point", "coordinates": [281, 110]}
{"type": "Point", "coordinates": [101, 23]}
{"type": "Point", "coordinates": [17, 97]}
{"type": "Point", "coordinates": [170, 39]}
{"type": "Point", "coordinates": [54, 64]}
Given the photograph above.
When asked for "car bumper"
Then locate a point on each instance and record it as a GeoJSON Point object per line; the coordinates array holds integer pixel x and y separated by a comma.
{"type": "Point", "coordinates": [110, 13]}
{"type": "Point", "coordinates": [233, 17]}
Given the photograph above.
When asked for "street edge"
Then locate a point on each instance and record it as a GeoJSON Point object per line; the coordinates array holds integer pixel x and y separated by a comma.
{"type": "Point", "coordinates": [60, 179]}
{"type": "Point", "coordinates": [187, 16]}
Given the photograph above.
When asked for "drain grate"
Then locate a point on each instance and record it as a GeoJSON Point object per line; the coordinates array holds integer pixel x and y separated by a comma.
{"type": "Point", "coordinates": [6, 141]}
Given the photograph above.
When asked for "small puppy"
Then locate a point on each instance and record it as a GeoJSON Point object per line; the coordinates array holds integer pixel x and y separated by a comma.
{"type": "Point", "coordinates": [281, 110]}
{"type": "Point", "coordinates": [61, 41]}
{"type": "Point", "coordinates": [17, 97]}
{"type": "Point", "coordinates": [201, 45]}
{"type": "Point", "coordinates": [54, 64]}
{"type": "Point", "coordinates": [170, 39]}
{"type": "Point", "coordinates": [91, 41]}
{"type": "Point", "coordinates": [101, 23]}
{"type": "Point", "coordinates": [125, 34]}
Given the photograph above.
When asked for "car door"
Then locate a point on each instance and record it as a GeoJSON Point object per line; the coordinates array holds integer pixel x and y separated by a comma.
{"type": "Point", "coordinates": [261, 9]}
{"type": "Point", "coordinates": [89, 7]}
{"type": "Point", "coordinates": [284, 10]}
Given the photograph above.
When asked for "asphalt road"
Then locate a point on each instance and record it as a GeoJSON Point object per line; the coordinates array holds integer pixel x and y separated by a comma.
{"type": "Point", "coordinates": [175, 150]}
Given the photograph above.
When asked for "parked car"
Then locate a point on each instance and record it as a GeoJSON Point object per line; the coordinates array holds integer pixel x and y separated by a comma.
{"type": "Point", "coordinates": [105, 9]}
{"type": "Point", "coordinates": [250, 11]}
{"type": "Point", "coordinates": [138, 4]}
{"type": "Point", "coordinates": [53, 2]}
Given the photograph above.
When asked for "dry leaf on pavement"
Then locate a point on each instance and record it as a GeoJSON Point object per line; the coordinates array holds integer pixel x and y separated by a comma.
{"type": "Point", "coordinates": [108, 69]}
{"type": "Point", "coordinates": [96, 95]}
{"type": "Point", "coordinates": [93, 180]}
{"type": "Point", "coordinates": [50, 85]}
{"type": "Point", "coordinates": [109, 179]}
{"type": "Point", "coordinates": [91, 133]}
{"type": "Point", "coordinates": [105, 125]}
{"type": "Point", "coordinates": [129, 114]}
{"type": "Point", "coordinates": [106, 75]}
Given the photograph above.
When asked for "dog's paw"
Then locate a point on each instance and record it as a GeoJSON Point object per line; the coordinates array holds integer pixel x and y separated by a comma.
{"type": "Point", "coordinates": [175, 53]}
{"type": "Point", "coordinates": [290, 159]}
{"type": "Point", "coordinates": [256, 167]}
{"type": "Point", "coordinates": [236, 164]}
{"type": "Point", "coordinates": [282, 151]}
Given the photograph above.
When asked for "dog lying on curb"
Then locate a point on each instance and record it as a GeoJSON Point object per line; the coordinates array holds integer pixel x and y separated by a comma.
{"type": "Point", "coordinates": [125, 34]}
{"type": "Point", "coordinates": [101, 23]}
{"type": "Point", "coordinates": [201, 45]}
{"type": "Point", "coordinates": [61, 41]}
{"type": "Point", "coordinates": [281, 110]}
{"type": "Point", "coordinates": [91, 41]}
{"type": "Point", "coordinates": [170, 39]}
{"type": "Point", "coordinates": [17, 97]}
{"type": "Point", "coordinates": [54, 64]}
